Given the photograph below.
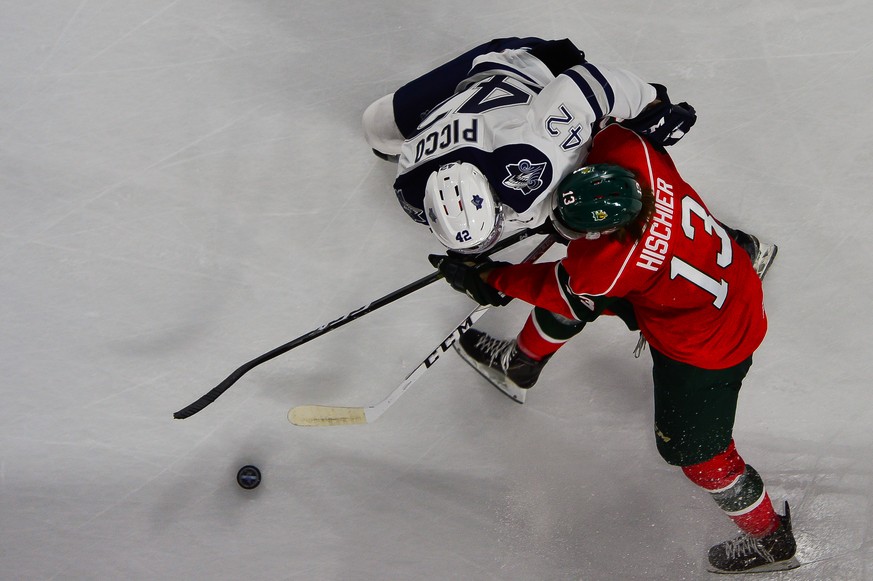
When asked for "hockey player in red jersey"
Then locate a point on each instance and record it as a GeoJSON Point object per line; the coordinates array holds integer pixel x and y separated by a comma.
{"type": "Point", "coordinates": [645, 247]}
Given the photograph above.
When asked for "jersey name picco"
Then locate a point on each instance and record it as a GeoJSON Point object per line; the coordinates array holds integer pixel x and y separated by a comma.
{"type": "Point", "coordinates": [447, 137]}
{"type": "Point", "coordinates": [658, 234]}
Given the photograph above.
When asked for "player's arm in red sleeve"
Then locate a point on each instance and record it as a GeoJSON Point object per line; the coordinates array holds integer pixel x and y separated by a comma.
{"type": "Point", "coordinates": [535, 284]}
{"type": "Point", "coordinates": [546, 285]}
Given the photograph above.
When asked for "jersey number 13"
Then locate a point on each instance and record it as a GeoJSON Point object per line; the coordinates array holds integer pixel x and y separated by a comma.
{"type": "Point", "coordinates": [678, 267]}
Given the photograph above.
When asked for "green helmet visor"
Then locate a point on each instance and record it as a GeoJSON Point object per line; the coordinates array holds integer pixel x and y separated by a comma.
{"type": "Point", "coordinates": [596, 198]}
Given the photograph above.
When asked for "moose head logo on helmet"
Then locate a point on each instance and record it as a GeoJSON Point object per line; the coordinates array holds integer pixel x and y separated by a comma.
{"type": "Point", "coordinates": [461, 208]}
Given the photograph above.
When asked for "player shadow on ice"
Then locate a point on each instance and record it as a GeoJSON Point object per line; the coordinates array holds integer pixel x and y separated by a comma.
{"type": "Point", "coordinates": [532, 515]}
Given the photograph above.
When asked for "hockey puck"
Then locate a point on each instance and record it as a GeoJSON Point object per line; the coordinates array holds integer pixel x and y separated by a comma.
{"type": "Point", "coordinates": [248, 477]}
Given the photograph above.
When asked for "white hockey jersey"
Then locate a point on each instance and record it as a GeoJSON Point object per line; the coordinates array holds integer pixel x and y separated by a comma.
{"type": "Point", "coordinates": [522, 126]}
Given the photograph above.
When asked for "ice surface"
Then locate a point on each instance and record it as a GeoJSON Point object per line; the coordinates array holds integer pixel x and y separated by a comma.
{"type": "Point", "coordinates": [185, 186]}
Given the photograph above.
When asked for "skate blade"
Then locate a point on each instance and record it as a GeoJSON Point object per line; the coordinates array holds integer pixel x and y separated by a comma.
{"type": "Point", "coordinates": [496, 379]}
{"type": "Point", "coordinates": [763, 264]}
{"type": "Point", "coordinates": [785, 565]}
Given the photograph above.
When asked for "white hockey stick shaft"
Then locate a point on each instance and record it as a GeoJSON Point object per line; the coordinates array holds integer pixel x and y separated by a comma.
{"type": "Point", "coordinates": [321, 415]}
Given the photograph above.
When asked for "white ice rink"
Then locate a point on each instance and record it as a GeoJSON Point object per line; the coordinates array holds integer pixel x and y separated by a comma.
{"type": "Point", "coordinates": [185, 185]}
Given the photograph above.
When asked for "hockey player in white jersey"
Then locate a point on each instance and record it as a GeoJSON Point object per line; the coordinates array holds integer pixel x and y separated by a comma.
{"type": "Point", "coordinates": [484, 139]}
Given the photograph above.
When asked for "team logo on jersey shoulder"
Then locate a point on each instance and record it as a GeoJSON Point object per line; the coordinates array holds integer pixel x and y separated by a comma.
{"type": "Point", "coordinates": [525, 176]}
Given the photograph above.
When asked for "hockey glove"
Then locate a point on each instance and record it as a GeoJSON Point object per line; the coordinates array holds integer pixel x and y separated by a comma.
{"type": "Point", "coordinates": [466, 276]}
{"type": "Point", "coordinates": [558, 55]}
{"type": "Point", "coordinates": [664, 123]}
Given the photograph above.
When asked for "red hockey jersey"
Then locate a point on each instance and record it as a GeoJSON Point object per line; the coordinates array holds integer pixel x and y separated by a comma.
{"type": "Point", "coordinates": [696, 296]}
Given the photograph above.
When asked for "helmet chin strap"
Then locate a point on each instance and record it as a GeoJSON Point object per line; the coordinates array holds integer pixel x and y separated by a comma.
{"type": "Point", "coordinates": [596, 235]}
{"type": "Point", "coordinates": [571, 234]}
{"type": "Point", "coordinates": [562, 228]}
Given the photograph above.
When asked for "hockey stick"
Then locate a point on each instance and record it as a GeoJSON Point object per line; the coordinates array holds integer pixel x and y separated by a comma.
{"type": "Point", "coordinates": [219, 389]}
{"type": "Point", "coordinates": [320, 415]}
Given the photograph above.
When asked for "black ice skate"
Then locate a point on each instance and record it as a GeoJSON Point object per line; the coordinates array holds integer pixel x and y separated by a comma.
{"type": "Point", "coordinates": [764, 256]}
{"type": "Point", "coordinates": [746, 554]}
{"type": "Point", "coordinates": [386, 156]}
{"type": "Point", "coordinates": [500, 362]}
{"type": "Point", "coordinates": [761, 253]}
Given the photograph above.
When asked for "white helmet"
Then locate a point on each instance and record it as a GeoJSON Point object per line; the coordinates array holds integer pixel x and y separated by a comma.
{"type": "Point", "coordinates": [461, 208]}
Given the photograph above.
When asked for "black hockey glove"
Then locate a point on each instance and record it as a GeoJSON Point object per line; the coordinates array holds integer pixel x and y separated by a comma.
{"type": "Point", "coordinates": [664, 123]}
{"type": "Point", "coordinates": [558, 55]}
{"type": "Point", "coordinates": [465, 276]}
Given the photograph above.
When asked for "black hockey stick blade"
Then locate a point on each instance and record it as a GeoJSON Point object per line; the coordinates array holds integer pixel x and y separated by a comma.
{"type": "Point", "coordinates": [216, 391]}
{"type": "Point", "coordinates": [212, 395]}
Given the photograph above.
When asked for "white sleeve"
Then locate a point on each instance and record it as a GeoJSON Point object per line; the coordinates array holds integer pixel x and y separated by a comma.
{"type": "Point", "coordinates": [515, 63]}
{"type": "Point", "coordinates": [590, 93]}
{"type": "Point", "coordinates": [535, 216]}
{"type": "Point", "coordinates": [631, 94]}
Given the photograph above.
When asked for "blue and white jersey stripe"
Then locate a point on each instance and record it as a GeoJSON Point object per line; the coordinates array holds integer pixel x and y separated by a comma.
{"type": "Point", "coordinates": [594, 87]}
{"type": "Point", "coordinates": [489, 69]}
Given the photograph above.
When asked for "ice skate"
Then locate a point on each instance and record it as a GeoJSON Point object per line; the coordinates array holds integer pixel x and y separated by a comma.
{"type": "Point", "coordinates": [763, 256]}
{"type": "Point", "coordinates": [746, 554]}
{"type": "Point", "coordinates": [500, 362]}
{"type": "Point", "coordinates": [386, 156]}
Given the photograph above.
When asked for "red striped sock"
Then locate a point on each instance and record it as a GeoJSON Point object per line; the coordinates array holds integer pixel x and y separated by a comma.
{"type": "Point", "coordinates": [738, 490]}
{"type": "Point", "coordinates": [534, 343]}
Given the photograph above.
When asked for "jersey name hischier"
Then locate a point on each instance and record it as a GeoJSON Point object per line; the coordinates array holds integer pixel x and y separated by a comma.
{"type": "Point", "coordinates": [657, 240]}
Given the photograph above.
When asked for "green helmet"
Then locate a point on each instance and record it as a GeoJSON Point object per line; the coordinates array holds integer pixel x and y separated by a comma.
{"type": "Point", "coordinates": [596, 198]}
